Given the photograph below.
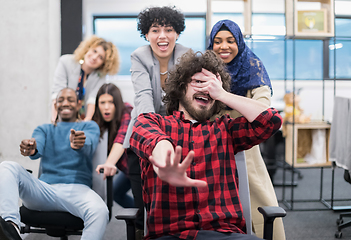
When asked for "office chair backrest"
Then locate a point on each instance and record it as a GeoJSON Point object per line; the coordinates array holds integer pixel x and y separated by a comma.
{"type": "Point", "coordinates": [100, 156]}
{"type": "Point", "coordinates": [269, 212]}
{"type": "Point", "coordinates": [244, 191]}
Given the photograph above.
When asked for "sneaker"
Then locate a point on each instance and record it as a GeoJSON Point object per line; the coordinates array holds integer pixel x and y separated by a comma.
{"type": "Point", "coordinates": [8, 231]}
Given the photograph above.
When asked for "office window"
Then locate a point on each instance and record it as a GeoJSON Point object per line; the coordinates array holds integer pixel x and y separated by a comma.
{"type": "Point", "coordinates": [343, 59]}
{"type": "Point", "coordinates": [268, 24]}
{"type": "Point", "coordinates": [122, 31]}
{"type": "Point", "coordinates": [340, 49]}
{"type": "Point", "coordinates": [277, 53]}
{"type": "Point", "coordinates": [271, 52]}
{"type": "Point", "coordinates": [308, 59]}
{"type": "Point", "coordinates": [238, 18]}
{"type": "Point", "coordinates": [343, 27]}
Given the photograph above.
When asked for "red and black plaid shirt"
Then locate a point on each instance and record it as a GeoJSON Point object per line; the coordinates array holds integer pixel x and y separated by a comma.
{"type": "Point", "coordinates": [121, 133]}
{"type": "Point", "coordinates": [182, 211]}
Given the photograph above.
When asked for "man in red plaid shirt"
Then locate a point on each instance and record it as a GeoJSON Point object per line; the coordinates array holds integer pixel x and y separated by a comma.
{"type": "Point", "coordinates": [189, 176]}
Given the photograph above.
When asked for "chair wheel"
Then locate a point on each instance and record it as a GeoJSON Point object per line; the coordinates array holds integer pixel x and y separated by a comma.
{"type": "Point", "coordinates": [339, 221]}
{"type": "Point", "coordinates": [338, 234]}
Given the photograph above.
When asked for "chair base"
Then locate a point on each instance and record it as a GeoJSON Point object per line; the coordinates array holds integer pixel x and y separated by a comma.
{"type": "Point", "coordinates": [341, 224]}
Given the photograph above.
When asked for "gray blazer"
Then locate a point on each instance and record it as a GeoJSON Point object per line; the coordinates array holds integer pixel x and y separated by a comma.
{"type": "Point", "coordinates": [145, 74]}
{"type": "Point", "coordinates": [67, 74]}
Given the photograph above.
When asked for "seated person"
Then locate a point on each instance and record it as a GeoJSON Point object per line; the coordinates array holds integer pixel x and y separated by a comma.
{"type": "Point", "coordinates": [190, 184]}
{"type": "Point", "coordinates": [113, 115]}
{"type": "Point", "coordinates": [66, 150]}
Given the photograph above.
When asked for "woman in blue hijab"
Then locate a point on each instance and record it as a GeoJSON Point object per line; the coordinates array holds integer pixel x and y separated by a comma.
{"type": "Point", "coordinates": [250, 79]}
{"type": "Point", "coordinates": [244, 66]}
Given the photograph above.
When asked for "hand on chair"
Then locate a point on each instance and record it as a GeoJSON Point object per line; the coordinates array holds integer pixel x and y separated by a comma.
{"type": "Point", "coordinates": [109, 169]}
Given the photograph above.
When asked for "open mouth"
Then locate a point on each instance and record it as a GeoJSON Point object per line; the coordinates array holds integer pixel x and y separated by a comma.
{"type": "Point", "coordinates": [66, 111]}
{"type": "Point", "coordinates": [162, 45]}
{"type": "Point", "coordinates": [203, 99]}
{"type": "Point", "coordinates": [224, 54]}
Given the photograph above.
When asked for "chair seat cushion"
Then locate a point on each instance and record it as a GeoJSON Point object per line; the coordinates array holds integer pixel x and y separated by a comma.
{"type": "Point", "coordinates": [49, 219]}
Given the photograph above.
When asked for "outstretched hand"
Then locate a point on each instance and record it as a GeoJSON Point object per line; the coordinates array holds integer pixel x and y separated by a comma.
{"type": "Point", "coordinates": [28, 146]}
{"type": "Point", "coordinates": [77, 139]}
{"type": "Point", "coordinates": [174, 172]}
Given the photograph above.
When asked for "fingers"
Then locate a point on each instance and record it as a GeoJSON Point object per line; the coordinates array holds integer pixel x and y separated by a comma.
{"type": "Point", "coordinates": [158, 163]}
{"type": "Point", "coordinates": [97, 169]}
{"type": "Point", "coordinates": [187, 160]}
{"type": "Point", "coordinates": [196, 183]}
{"type": "Point", "coordinates": [109, 170]}
{"type": "Point", "coordinates": [28, 146]}
{"type": "Point", "coordinates": [77, 139]}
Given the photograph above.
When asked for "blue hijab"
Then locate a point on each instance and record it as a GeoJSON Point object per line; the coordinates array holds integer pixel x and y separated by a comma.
{"type": "Point", "coordinates": [246, 69]}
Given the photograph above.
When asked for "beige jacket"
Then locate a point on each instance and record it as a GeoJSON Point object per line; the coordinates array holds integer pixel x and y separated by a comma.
{"type": "Point", "coordinates": [261, 188]}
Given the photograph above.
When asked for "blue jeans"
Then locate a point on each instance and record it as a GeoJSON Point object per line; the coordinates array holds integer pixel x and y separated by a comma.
{"type": "Point", "coordinates": [77, 199]}
{"type": "Point", "coordinates": [121, 185]}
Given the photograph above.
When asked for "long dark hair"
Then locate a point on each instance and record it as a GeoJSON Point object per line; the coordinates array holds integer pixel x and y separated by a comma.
{"type": "Point", "coordinates": [113, 126]}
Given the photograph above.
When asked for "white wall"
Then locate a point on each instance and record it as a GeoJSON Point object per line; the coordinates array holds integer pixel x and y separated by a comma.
{"type": "Point", "coordinates": [30, 48]}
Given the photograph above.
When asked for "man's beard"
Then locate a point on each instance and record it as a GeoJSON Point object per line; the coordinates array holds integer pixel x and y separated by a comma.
{"type": "Point", "coordinates": [199, 115]}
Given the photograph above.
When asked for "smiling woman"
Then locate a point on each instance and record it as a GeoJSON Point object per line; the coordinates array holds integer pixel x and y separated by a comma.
{"type": "Point", "coordinates": [161, 26]}
{"type": "Point", "coordinates": [85, 71]}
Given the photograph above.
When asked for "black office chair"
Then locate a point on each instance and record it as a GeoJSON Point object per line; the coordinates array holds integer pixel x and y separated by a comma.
{"type": "Point", "coordinates": [56, 223]}
{"type": "Point", "coordinates": [270, 213]}
{"type": "Point", "coordinates": [340, 221]}
{"type": "Point", "coordinates": [63, 224]}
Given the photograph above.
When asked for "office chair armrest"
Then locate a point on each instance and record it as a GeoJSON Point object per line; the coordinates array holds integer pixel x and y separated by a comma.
{"type": "Point", "coordinates": [270, 213]}
{"type": "Point", "coordinates": [129, 216]}
{"type": "Point", "coordinates": [109, 193]}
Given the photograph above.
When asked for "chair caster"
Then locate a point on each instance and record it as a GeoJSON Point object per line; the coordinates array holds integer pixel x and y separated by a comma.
{"type": "Point", "coordinates": [338, 234]}
{"type": "Point", "coordinates": [339, 221]}
{"type": "Point", "coordinates": [300, 176]}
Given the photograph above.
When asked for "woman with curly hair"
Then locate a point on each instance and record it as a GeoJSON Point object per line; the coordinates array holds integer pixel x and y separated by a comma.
{"type": "Point", "coordinates": [85, 71]}
{"type": "Point", "coordinates": [249, 78]}
{"type": "Point", "coordinates": [161, 26]}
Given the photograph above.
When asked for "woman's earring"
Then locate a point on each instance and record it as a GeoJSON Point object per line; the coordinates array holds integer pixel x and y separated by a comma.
{"type": "Point", "coordinates": [81, 61]}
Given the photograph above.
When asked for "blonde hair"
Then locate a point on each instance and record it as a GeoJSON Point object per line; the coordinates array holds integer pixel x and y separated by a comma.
{"type": "Point", "coordinates": [111, 63]}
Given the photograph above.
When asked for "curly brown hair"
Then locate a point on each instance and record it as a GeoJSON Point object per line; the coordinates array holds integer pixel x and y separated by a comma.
{"type": "Point", "coordinates": [162, 16]}
{"type": "Point", "coordinates": [189, 64]}
{"type": "Point", "coordinates": [111, 63]}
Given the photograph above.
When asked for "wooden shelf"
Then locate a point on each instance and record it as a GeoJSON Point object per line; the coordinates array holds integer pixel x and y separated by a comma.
{"type": "Point", "coordinates": [298, 142]}
{"type": "Point", "coordinates": [316, 29]}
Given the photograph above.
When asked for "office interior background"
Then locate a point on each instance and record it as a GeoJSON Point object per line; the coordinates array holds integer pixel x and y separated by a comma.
{"type": "Point", "coordinates": [31, 45]}
{"type": "Point", "coordinates": [33, 38]}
